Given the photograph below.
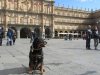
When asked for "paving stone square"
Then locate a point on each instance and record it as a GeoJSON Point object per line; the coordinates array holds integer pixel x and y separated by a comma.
{"type": "Point", "coordinates": [61, 57]}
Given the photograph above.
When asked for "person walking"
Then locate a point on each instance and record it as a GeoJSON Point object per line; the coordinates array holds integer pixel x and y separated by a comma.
{"type": "Point", "coordinates": [14, 37]}
{"type": "Point", "coordinates": [1, 35]}
{"type": "Point", "coordinates": [96, 37]}
{"type": "Point", "coordinates": [88, 37]}
{"type": "Point", "coordinates": [9, 36]}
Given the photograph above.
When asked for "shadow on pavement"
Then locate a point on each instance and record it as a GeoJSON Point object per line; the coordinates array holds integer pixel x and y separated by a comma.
{"type": "Point", "coordinates": [89, 73]}
{"type": "Point", "coordinates": [80, 49]}
{"type": "Point", "coordinates": [16, 71]}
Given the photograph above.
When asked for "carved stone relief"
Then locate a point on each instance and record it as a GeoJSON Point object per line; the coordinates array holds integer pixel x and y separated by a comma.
{"type": "Point", "coordinates": [25, 5]}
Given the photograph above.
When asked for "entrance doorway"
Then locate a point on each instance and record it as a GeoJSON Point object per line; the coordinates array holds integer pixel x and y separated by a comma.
{"type": "Point", "coordinates": [25, 33]}
{"type": "Point", "coordinates": [47, 33]}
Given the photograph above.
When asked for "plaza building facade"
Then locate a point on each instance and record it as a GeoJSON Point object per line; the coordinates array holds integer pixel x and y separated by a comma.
{"type": "Point", "coordinates": [44, 18]}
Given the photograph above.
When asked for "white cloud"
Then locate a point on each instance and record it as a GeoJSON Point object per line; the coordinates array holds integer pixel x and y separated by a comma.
{"type": "Point", "coordinates": [84, 0]}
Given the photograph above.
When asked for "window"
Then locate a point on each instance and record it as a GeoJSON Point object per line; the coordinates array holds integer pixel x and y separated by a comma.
{"type": "Point", "coordinates": [31, 21]}
{"type": "Point", "coordinates": [21, 20]}
{"type": "Point", "coordinates": [12, 20]}
{"type": "Point", "coordinates": [25, 20]}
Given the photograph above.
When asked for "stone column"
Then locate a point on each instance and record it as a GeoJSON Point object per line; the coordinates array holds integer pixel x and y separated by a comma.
{"type": "Point", "coordinates": [81, 34]}
{"type": "Point", "coordinates": [5, 18]}
{"type": "Point", "coordinates": [42, 20]}
{"type": "Point", "coordinates": [52, 18]}
{"type": "Point", "coordinates": [18, 33]}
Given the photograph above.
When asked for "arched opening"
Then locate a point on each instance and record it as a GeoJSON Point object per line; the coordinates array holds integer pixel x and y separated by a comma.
{"type": "Point", "coordinates": [79, 36]}
{"type": "Point", "coordinates": [83, 32]}
{"type": "Point", "coordinates": [37, 32]}
{"type": "Point", "coordinates": [47, 33]}
{"type": "Point", "coordinates": [66, 32]}
{"type": "Point", "coordinates": [61, 35]}
{"type": "Point", "coordinates": [25, 33]}
{"type": "Point", "coordinates": [66, 35]}
{"type": "Point", "coordinates": [70, 31]}
{"type": "Point", "coordinates": [56, 34]}
{"type": "Point", "coordinates": [75, 36]}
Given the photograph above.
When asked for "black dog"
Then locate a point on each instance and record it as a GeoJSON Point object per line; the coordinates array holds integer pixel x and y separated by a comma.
{"type": "Point", "coordinates": [36, 54]}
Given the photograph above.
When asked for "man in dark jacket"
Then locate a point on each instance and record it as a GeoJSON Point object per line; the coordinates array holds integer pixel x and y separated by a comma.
{"type": "Point", "coordinates": [88, 37]}
{"type": "Point", "coordinates": [10, 36]}
{"type": "Point", "coordinates": [1, 35]}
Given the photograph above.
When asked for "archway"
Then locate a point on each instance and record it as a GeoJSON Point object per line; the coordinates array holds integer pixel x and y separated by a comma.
{"type": "Point", "coordinates": [56, 34]}
{"type": "Point", "coordinates": [37, 32]}
{"type": "Point", "coordinates": [75, 36]}
{"type": "Point", "coordinates": [25, 33]}
{"type": "Point", "coordinates": [79, 36]}
{"type": "Point", "coordinates": [83, 32]}
{"type": "Point", "coordinates": [61, 35]}
{"type": "Point", "coordinates": [66, 32]}
{"type": "Point", "coordinates": [71, 32]}
{"type": "Point", "coordinates": [47, 33]}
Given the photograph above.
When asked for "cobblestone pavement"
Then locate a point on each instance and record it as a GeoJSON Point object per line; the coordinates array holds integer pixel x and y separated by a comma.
{"type": "Point", "coordinates": [61, 57]}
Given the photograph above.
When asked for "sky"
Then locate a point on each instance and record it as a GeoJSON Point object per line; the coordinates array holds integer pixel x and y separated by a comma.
{"type": "Point", "coordinates": [80, 4]}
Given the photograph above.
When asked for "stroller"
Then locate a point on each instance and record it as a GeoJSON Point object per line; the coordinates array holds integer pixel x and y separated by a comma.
{"type": "Point", "coordinates": [36, 56]}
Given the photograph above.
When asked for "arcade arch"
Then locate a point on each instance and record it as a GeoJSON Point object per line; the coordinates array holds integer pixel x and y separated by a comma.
{"type": "Point", "coordinates": [47, 33]}
{"type": "Point", "coordinates": [25, 32]}
{"type": "Point", "coordinates": [37, 32]}
{"type": "Point", "coordinates": [56, 34]}
{"type": "Point", "coordinates": [15, 30]}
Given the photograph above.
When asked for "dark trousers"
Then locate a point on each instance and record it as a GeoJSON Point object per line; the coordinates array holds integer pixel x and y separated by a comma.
{"type": "Point", "coordinates": [14, 41]}
{"type": "Point", "coordinates": [0, 41]}
{"type": "Point", "coordinates": [10, 42]}
{"type": "Point", "coordinates": [88, 43]}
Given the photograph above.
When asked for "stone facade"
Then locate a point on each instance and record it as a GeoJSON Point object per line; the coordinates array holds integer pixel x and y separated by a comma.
{"type": "Point", "coordinates": [42, 17]}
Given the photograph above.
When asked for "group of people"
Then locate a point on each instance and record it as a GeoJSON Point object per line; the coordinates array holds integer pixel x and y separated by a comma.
{"type": "Point", "coordinates": [70, 36]}
{"type": "Point", "coordinates": [11, 36]}
{"type": "Point", "coordinates": [92, 33]}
